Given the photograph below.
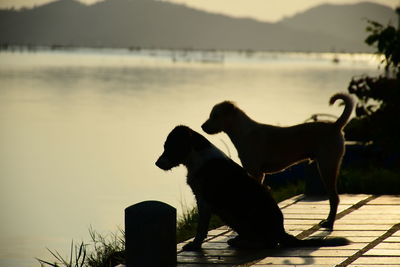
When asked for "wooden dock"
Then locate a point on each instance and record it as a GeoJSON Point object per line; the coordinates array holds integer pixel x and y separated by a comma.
{"type": "Point", "coordinates": [371, 222]}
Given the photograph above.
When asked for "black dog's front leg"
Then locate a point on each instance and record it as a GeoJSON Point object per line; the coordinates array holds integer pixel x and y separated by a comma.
{"type": "Point", "coordinates": [202, 227]}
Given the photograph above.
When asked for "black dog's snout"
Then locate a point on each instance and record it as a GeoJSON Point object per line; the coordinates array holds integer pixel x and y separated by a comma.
{"type": "Point", "coordinates": [163, 163]}
{"type": "Point", "coordinates": [160, 162]}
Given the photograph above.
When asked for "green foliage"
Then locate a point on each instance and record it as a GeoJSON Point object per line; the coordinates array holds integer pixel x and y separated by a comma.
{"type": "Point", "coordinates": [288, 190]}
{"type": "Point", "coordinates": [376, 112]}
{"type": "Point", "coordinates": [387, 42]}
{"type": "Point", "coordinates": [379, 97]}
{"type": "Point", "coordinates": [369, 181]}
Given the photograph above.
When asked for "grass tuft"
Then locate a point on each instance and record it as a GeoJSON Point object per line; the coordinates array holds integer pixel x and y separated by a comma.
{"type": "Point", "coordinates": [102, 251]}
{"type": "Point", "coordinates": [108, 250]}
{"type": "Point", "coordinates": [77, 261]}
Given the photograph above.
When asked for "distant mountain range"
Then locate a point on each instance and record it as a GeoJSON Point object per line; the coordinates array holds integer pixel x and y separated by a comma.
{"type": "Point", "coordinates": [160, 24]}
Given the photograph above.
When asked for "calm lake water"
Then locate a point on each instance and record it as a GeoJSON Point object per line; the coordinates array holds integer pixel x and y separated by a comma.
{"type": "Point", "coordinates": [80, 130]}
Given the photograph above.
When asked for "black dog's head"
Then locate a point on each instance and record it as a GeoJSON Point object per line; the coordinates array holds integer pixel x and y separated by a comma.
{"type": "Point", "coordinates": [180, 142]}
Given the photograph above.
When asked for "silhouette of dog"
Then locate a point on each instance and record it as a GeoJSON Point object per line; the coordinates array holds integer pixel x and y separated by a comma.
{"type": "Point", "coordinates": [224, 188]}
{"type": "Point", "coordinates": [264, 148]}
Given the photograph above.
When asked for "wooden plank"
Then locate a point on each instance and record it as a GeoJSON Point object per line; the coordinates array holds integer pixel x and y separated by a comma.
{"type": "Point", "coordinates": [216, 232]}
{"type": "Point", "coordinates": [307, 222]}
{"type": "Point", "coordinates": [288, 202]}
{"type": "Point", "coordinates": [358, 227]}
{"type": "Point", "coordinates": [302, 265]}
{"type": "Point", "coordinates": [332, 261]}
{"type": "Point", "coordinates": [222, 238]}
{"type": "Point", "coordinates": [361, 239]}
{"type": "Point", "coordinates": [371, 217]}
{"type": "Point", "coordinates": [305, 207]}
{"type": "Point", "coordinates": [310, 211]}
{"type": "Point", "coordinates": [351, 246]}
{"type": "Point", "coordinates": [305, 216]}
{"type": "Point", "coordinates": [386, 199]}
{"type": "Point", "coordinates": [386, 207]}
{"type": "Point", "coordinates": [384, 213]}
{"type": "Point", "coordinates": [377, 261]}
{"type": "Point", "coordinates": [295, 233]}
{"type": "Point", "coordinates": [349, 199]}
{"type": "Point", "coordinates": [372, 265]}
{"type": "Point", "coordinates": [362, 233]}
{"type": "Point", "coordinates": [215, 245]}
{"type": "Point", "coordinates": [387, 245]}
{"type": "Point", "coordinates": [348, 220]}
{"type": "Point", "coordinates": [383, 252]}
{"type": "Point", "coordinates": [297, 227]}
{"type": "Point", "coordinates": [316, 252]}
{"type": "Point", "coordinates": [213, 253]}
{"type": "Point", "coordinates": [206, 260]}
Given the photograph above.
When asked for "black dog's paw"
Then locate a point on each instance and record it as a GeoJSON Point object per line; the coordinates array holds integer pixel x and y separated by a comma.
{"type": "Point", "coordinates": [191, 246]}
{"type": "Point", "coordinates": [326, 224]}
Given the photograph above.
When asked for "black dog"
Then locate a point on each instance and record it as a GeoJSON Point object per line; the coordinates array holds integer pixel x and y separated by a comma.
{"type": "Point", "coordinates": [223, 187]}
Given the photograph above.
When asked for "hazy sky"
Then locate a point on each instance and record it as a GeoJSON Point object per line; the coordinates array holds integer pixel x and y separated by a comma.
{"type": "Point", "coordinates": [267, 10]}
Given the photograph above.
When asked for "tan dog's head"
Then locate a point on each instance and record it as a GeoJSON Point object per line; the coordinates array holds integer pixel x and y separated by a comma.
{"type": "Point", "coordinates": [221, 118]}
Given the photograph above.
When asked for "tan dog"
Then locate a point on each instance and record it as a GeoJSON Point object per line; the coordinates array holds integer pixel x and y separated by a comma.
{"type": "Point", "coordinates": [264, 148]}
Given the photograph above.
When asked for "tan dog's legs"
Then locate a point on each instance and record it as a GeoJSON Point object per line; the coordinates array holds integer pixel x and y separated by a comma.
{"type": "Point", "coordinates": [328, 169]}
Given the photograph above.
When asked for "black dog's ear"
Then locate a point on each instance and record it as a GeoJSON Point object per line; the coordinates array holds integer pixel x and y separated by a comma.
{"type": "Point", "coordinates": [183, 131]}
{"type": "Point", "coordinates": [181, 134]}
{"type": "Point", "coordinates": [182, 128]}
{"type": "Point", "coordinates": [199, 141]}
{"type": "Point", "coordinates": [189, 138]}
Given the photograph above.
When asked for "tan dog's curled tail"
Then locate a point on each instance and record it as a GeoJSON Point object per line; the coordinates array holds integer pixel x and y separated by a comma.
{"type": "Point", "coordinates": [348, 108]}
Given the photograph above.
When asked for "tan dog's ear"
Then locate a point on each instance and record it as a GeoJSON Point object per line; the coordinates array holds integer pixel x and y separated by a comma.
{"type": "Point", "coordinates": [228, 107]}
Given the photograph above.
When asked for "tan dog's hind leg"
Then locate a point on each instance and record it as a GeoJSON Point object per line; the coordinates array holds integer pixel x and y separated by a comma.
{"type": "Point", "coordinates": [328, 169]}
